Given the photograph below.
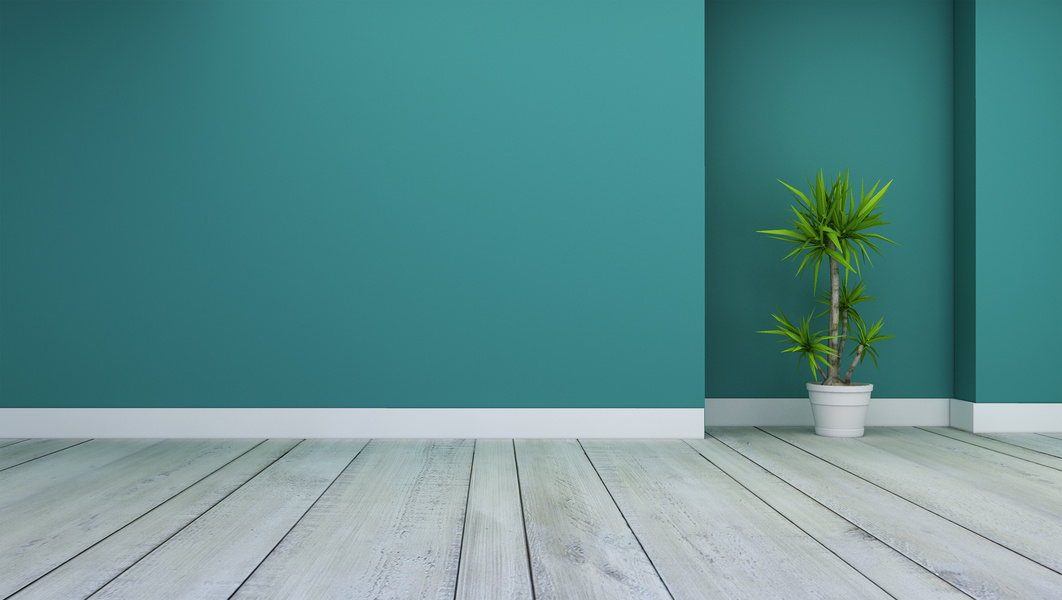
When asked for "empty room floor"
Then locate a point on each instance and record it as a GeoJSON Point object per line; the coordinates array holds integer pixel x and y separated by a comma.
{"type": "Point", "coordinates": [744, 513]}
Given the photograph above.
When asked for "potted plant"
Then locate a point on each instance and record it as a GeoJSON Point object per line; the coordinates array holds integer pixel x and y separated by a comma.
{"type": "Point", "coordinates": [833, 227]}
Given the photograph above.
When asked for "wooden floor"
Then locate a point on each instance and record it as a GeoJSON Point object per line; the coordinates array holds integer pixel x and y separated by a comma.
{"type": "Point", "coordinates": [744, 513]}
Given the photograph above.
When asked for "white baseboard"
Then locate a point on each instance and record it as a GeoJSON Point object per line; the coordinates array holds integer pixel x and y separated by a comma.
{"type": "Point", "coordinates": [351, 423]}
{"type": "Point", "coordinates": [1006, 418]}
{"type": "Point", "coordinates": [768, 412]}
{"type": "Point", "coordinates": [674, 423]}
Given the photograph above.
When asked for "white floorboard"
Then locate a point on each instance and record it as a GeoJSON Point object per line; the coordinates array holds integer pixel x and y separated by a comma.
{"type": "Point", "coordinates": [389, 527]}
{"type": "Point", "coordinates": [974, 564]}
{"type": "Point", "coordinates": [213, 555]}
{"type": "Point", "coordinates": [747, 513]}
{"type": "Point", "coordinates": [23, 452]}
{"type": "Point", "coordinates": [31, 477]}
{"type": "Point", "coordinates": [90, 570]}
{"type": "Point", "coordinates": [1026, 446]}
{"type": "Point", "coordinates": [494, 561]}
{"type": "Point", "coordinates": [731, 546]}
{"type": "Point", "coordinates": [44, 530]}
{"type": "Point", "coordinates": [1044, 444]}
{"type": "Point", "coordinates": [1007, 500]}
{"type": "Point", "coordinates": [890, 570]}
{"type": "Point", "coordinates": [580, 543]}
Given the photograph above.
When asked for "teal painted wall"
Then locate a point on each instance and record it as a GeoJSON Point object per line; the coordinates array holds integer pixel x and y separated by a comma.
{"type": "Point", "coordinates": [793, 87]}
{"type": "Point", "coordinates": [965, 203]}
{"type": "Point", "coordinates": [1018, 200]}
{"type": "Point", "coordinates": [408, 204]}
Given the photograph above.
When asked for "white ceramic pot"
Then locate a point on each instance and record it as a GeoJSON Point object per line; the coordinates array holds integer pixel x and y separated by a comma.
{"type": "Point", "coordinates": [840, 410]}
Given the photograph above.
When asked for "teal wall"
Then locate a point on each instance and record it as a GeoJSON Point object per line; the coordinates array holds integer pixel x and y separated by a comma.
{"type": "Point", "coordinates": [399, 204]}
{"type": "Point", "coordinates": [1017, 203]}
{"type": "Point", "coordinates": [965, 203]}
{"type": "Point", "coordinates": [793, 87]}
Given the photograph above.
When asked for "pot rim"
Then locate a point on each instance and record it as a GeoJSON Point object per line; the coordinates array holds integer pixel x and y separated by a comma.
{"type": "Point", "coordinates": [852, 388]}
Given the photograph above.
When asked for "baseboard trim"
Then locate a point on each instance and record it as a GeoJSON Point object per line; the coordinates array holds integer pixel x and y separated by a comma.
{"type": "Point", "coordinates": [669, 423]}
{"type": "Point", "coordinates": [768, 412]}
{"type": "Point", "coordinates": [1006, 418]}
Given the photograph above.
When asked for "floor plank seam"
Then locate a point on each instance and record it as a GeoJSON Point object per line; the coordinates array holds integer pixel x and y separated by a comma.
{"type": "Point", "coordinates": [464, 520]}
{"type": "Point", "coordinates": [131, 522]}
{"type": "Point", "coordinates": [146, 513]}
{"type": "Point", "coordinates": [523, 519]}
{"type": "Point", "coordinates": [299, 520]}
{"type": "Point", "coordinates": [930, 511]}
{"type": "Point", "coordinates": [189, 523]}
{"type": "Point", "coordinates": [12, 443]}
{"type": "Point", "coordinates": [625, 520]}
{"type": "Point", "coordinates": [845, 519]}
{"type": "Point", "coordinates": [789, 494]}
{"type": "Point", "coordinates": [1022, 458]}
{"type": "Point", "coordinates": [802, 530]}
{"type": "Point", "coordinates": [43, 455]}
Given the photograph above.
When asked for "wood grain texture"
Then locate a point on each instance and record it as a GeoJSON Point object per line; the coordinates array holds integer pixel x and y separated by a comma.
{"type": "Point", "coordinates": [494, 562]}
{"type": "Point", "coordinates": [1025, 446]}
{"type": "Point", "coordinates": [891, 571]}
{"type": "Point", "coordinates": [28, 450]}
{"type": "Point", "coordinates": [389, 527]}
{"type": "Point", "coordinates": [5, 442]}
{"type": "Point", "coordinates": [448, 519]}
{"type": "Point", "coordinates": [45, 529]}
{"type": "Point", "coordinates": [1005, 499]}
{"type": "Point", "coordinates": [90, 570]}
{"type": "Point", "coordinates": [31, 477]}
{"type": "Point", "coordinates": [580, 544]}
{"type": "Point", "coordinates": [977, 566]}
{"type": "Point", "coordinates": [1044, 444]}
{"type": "Point", "coordinates": [708, 536]}
{"type": "Point", "coordinates": [214, 554]}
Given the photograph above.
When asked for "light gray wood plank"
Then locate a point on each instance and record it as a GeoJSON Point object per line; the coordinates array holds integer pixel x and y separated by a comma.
{"type": "Point", "coordinates": [44, 530]}
{"type": "Point", "coordinates": [708, 536]}
{"type": "Point", "coordinates": [1057, 436]}
{"type": "Point", "coordinates": [31, 477]}
{"type": "Point", "coordinates": [580, 544]}
{"type": "Point", "coordinates": [1026, 481]}
{"type": "Point", "coordinates": [891, 571]}
{"type": "Point", "coordinates": [1033, 441]}
{"type": "Point", "coordinates": [90, 570]}
{"type": "Point", "coordinates": [1022, 445]}
{"type": "Point", "coordinates": [494, 561]}
{"type": "Point", "coordinates": [28, 450]}
{"type": "Point", "coordinates": [213, 555]}
{"type": "Point", "coordinates": [5, 442]}
{"type": "Point", "coordinates": [389, 527]}
{"type": "Point", "coordinates": [979, 567]}
{"type": "Point", "coordinates": [1011, 501]}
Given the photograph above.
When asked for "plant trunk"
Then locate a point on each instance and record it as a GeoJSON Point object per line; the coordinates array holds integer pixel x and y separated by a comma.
{"type": "Point", "coordinates": [844, 335]}
{"type": "Point", "coordinates": [858, 355]}
{"type": "Point", "coordinates": [833, 376]}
